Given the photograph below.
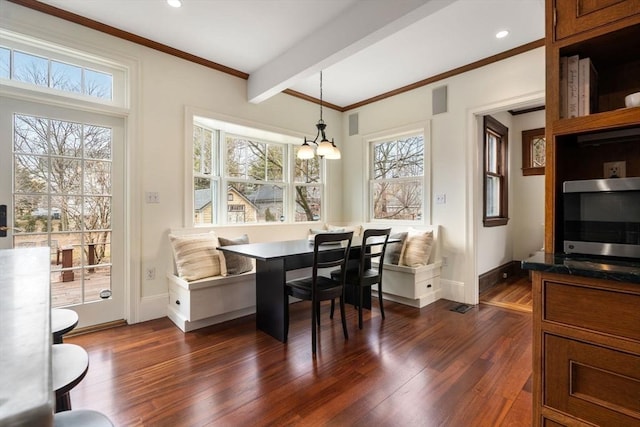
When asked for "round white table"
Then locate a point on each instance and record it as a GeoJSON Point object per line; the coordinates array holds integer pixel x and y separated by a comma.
{"type": "Point", "coordinates": [63, 320]}
{"type": "Point", "coordinates": [69, 365]}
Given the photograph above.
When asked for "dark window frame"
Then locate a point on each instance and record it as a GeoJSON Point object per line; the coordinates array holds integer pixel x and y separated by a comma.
{"type": "Point", "coordinates": [493, 126]}
{"type": "Point", "coordinates": [528, 136]}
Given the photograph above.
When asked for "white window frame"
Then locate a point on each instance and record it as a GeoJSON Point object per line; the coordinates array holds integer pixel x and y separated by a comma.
{"type": "Point", "coordinates": [258, 132]}
{"type": "Point", "coordinates": [387, 135]}
{"type": "Point", "coordinates": [120, 101]}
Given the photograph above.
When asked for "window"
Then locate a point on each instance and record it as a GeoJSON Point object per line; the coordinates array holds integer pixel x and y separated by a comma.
{"type": "Point", "coordinates": [40, 71]}
{"type": "Point", "coordinates": [397, 178]}
{"type": "Point", "coordinates": [495, 173]}
{"type": "Point", "coordinates": [533, 152]}
{"type": "Point", "coordinates": [262, 178]}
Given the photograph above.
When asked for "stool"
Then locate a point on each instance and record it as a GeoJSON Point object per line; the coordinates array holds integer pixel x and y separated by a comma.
{"type": "Point", "coordinates": [69, 365]}
{"type": "Point", "coordinates": [81, 418]}
{"type": "Point", "coordinates": [62, 321]}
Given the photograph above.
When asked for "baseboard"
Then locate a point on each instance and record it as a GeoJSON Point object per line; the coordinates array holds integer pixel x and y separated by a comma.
{"type": "Point", "coordinates": [186, 326]}
{"type": "Point", "coordinates": [492, 277]}
{"type": "Point", "coordinates": [153, 307]}
{"type": "Point", "coordinates": [452, 290]}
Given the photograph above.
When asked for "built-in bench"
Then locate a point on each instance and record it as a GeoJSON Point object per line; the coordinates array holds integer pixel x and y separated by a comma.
{"type": "Point", "coordinates": [414, 286]}
{"type": "Point", "coordinates": [210, 300]}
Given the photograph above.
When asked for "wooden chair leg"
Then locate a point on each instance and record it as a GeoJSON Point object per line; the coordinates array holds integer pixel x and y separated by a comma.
{"type": "Point", "coordinates": [313, 327]}
{"type": "Point", "coordinates": [333, 305]}
{"type": "Point", "coordinates": [344, 318]}
{"type": "Point", "coordinates": [380, 299]}
{"type": "Point", "coordinates": [360, 307]}
{"type": "Point", "coordinates": [318, 313]}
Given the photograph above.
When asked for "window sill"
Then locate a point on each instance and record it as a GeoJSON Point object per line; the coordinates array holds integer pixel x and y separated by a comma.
{"type": "Point", "coordinates": [495, 222]}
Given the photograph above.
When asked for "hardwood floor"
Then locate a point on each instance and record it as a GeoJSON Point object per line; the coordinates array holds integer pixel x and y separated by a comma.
{"type": "Point", "coordinates": [513, 293]}
{"type": "Point", "coordinates": [419, 367]}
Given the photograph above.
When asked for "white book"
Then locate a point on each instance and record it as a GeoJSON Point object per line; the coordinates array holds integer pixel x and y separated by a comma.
{"type": "Point", "coordinates": [587, 87]}
{"type": "Point", "coordinates": [572, 86]}
{"type": "Point", "coordinates": [564, 106]}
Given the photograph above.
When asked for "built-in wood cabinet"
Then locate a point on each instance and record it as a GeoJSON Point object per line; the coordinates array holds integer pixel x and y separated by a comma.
{"type": "Point", "coordinates": [586, 351]}
{"type": "Point", "coordinates": [607, 32]}
{"type": "Point", "coordinates": [586, 346]}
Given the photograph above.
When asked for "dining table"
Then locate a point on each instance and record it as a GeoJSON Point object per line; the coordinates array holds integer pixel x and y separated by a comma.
{"type": "Point", "coordinates": [273, 261]}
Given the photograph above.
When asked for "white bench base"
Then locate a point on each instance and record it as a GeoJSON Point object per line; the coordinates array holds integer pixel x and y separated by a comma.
{"type": "Point", "coordinates": [413, 286]}
{"type": "Point", "coordinates": [212, 300]}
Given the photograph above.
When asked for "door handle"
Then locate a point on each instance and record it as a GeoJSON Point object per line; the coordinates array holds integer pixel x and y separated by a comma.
{"type": "Point", "coordinates": [3, 221]}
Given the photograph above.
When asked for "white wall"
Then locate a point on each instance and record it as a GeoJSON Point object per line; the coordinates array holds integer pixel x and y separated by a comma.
{"type": "Point", "coordinates": [495, 243]}
{"type": "Point", "coordinates": [527, 195]}
{"type": "Point", "coordinates": [510, 83]}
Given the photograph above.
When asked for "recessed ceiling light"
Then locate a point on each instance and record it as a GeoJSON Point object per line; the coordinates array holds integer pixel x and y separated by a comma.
{"type": "Point", "coordinates": [174, 3]}
{"type": "Point", "coordinates": [502, 34]}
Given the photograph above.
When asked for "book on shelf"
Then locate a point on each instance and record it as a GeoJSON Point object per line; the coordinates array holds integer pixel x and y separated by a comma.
{"type": "Point", "coordinates": [564, 107]}
{"type": "Point", "coordinates": [578, 87]}
{"type": "Point", "coordinates": [572, 86]}
{"type": "Point", "coordinates": [587, 87]}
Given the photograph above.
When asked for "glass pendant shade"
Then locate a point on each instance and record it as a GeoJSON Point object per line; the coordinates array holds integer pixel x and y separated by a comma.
{"type": "Point", "coordinates": [335, 152]}
{"type": "Point", "coordinates": [305, 152]}
{"type": "Point", "coordinates": [324, 148]}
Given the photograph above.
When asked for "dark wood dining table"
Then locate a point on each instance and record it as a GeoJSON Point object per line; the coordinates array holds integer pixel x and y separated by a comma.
{"type": "Point", "coordinates": [273, 260]}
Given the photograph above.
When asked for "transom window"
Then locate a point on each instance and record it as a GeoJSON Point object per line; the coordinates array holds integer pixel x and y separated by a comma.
{"type": "Point", "coordinates": [243, 176]}
{"type": "Point", "coordinates": [397, 178]}
{"type": "Point", "coordinates": [37, 70]}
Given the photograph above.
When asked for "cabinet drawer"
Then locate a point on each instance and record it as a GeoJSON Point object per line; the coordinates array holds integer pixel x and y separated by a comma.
{"type": "Point", "coordinates": [593, 383]}
{"type": "Point", "coordinates": [180, 301]}
{"type": "Point", "coordinates": [601, 310]}
{"type": "Point", "coordinates": [576, 16]}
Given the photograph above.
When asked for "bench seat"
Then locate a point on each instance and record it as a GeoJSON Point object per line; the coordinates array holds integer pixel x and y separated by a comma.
{"type": "Point", "coordinates": [414, 286]}
{"type": "Point", "coordinates": [210, 300]}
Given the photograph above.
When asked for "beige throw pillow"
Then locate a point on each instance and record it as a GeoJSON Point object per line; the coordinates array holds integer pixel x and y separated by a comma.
{"type": "Point", "coordinates": [417, 248]}
{"type": "Point", "coordinates": [357, 229]}
{"type": "Point", "coordinates": [196, 255]}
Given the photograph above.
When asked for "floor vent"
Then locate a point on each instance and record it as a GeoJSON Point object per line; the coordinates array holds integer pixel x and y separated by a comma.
{"type": "Point", "coordinates": [462, 308]}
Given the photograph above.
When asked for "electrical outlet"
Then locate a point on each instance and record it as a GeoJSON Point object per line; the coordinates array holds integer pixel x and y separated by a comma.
{"type": "Point", "coordinates": [441, 199]}
{"type": "Point", "coordinates": [152, 197]}
{"type": "Point", "coordinates": [150, 273]}
{"type": "Point", "coordinates": [615, 169]}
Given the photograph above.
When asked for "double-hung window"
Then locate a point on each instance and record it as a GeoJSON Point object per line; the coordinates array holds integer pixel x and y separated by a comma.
{"type": "Point", "coordinates": [243, 175]}
{"type": "Point", "coordinates": [397, 178]}
{"type": "Point", "coordinates": [496, 201]}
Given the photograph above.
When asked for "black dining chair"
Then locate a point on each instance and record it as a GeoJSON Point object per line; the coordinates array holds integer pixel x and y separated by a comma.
{"type": "Point", "coordinates": [317, 288]}
{"type": "Point", "coordinates": [365, 274]}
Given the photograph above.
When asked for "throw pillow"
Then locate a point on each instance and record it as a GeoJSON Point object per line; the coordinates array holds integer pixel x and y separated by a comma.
{"type": "Point", "coordinates": [357, 229]}
{"type": "Point", "coordinates": [417, 248]}
{"type": "Point", "coordinates": [394, 249]}
{"type": "Point", "coordinates": [196, 255]}
{"type": "Point", "coordinates": [232, 263]}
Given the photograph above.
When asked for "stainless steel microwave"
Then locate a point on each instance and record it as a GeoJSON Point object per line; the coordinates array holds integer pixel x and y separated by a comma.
{"type": "Point", "coordinates": [602, 217]}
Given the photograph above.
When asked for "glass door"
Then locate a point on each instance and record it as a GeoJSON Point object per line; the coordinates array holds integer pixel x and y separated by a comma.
{"type": "Point", "coordinates": [62, 182]}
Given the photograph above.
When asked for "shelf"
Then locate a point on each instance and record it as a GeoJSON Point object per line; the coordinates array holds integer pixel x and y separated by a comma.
{"type": "Point", "coordinates": [624, 117]}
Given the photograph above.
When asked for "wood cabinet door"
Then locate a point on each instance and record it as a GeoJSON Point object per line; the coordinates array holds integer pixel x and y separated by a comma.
{"type": "Point", "coordinates": [576, 16]}
{"type": "Point", "coordinates": [596, 384]}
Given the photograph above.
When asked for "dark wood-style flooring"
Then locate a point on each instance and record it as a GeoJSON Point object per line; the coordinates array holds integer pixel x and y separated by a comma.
{"type": "Point", "coordinates": [513, 293]}
{"type": "Point", "coordinates": [419, 367]}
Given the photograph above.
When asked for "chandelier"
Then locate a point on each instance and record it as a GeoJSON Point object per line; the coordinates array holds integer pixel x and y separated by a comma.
{"type": "Point", "coordinates": [325, 148]}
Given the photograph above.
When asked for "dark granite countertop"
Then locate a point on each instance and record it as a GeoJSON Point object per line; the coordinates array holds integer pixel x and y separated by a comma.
{"type": "Point", "coordinates": [616, 269]}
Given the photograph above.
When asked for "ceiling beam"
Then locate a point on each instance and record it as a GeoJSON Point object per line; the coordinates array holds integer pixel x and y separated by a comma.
{"type": "Point", "coordinates": [360, 26]}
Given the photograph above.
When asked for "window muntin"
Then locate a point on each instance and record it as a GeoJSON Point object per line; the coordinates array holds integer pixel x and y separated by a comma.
{"type": "Point", "coordinates": [263, 179]}
{"type": "Point", "coordinates": [397, 181]}
{"type": "Point", "coordinates": [63, 199]}
{"type": "Point", "coordinates": [495, 173]}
